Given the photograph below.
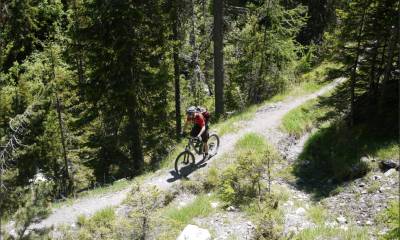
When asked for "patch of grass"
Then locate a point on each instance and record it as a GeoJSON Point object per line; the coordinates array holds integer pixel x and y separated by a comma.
{"type": "Point", "coordinates": [286, 173]}
{"type": "Point", "coordinates": [389, 151]}
{"type": "Point", "coordinates": [336, 190]}
{"type": "Point", "coordinates": [325, 70]}
{"type": "Point", "coordinates": [211, 179]}
{"type": "Point", "coordinates": [373, 187]}
{"type": "Point", "coordinates": [180, 217]}
{"type": "Point", "coordinates": [101, 223]}
{"type": "Point", "coordinates": [104, 215]}
{"type": "Point", "coordinates": [323, 232]}
{"type": "Point", "coordinates": [390, 218]}
{"type": "Point", "coordinates": [251, 141]}
{"type": "Point", "coordinates": [317, 214]}
{"type": "Point", "coordinates": [303, 119]}
{"type": "Point", "coordinates": [296, 90]}
{"type": "Point", "coordinates": [309, 82]}
{"type": "Point", "coordinates": [281, 193]}
{"type": "Point", "coordinates": [234, 122]}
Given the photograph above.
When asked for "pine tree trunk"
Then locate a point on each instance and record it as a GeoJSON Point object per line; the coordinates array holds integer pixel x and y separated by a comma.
{"type": "Point", "coordinates": [218, 57]}
{"type": "Point", "coordinates": [372, 74]}
{"type": "Point", "coordinates": [193, 60]}
{"type": "Point", "coordinates": [394, 39]}
{"type": "Point", "coordinates": [79, 61]}
{"type": "Point", "coordinates": [136, 150]}
{"type": "Point", "coordinates": [64, 149]}
{"type": "Point", "coordinates": [354, 71]}
{"type": "Point", "coordinates": [67, 178]}
{"type": "Point", "coordinates": [178, 122]}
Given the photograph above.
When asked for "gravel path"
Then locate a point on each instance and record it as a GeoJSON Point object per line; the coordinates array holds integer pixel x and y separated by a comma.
{"type": "Point", "coordinates": [266, 122]}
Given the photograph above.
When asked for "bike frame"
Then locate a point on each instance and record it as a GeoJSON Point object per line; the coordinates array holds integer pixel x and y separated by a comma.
{"type": "Point", "coordinates": [191, 144]}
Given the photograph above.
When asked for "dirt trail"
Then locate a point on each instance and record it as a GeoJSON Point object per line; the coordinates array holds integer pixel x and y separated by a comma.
{"type": "Point", "coordinates": [266, 121]}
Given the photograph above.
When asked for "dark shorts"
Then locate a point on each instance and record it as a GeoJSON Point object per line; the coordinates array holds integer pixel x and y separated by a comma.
{"type": "Point", "coordinates": [195, 131]}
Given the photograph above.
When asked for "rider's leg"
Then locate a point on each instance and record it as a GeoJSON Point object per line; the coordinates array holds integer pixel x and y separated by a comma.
{"type": "Point", "coordinates": [205, 147]}
{"type": "Point", "coordinates": [205, 136]}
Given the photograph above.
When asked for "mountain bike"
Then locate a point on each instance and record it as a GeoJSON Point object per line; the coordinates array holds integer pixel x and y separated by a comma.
{"type": "Point", "coordinates": [186, 159]}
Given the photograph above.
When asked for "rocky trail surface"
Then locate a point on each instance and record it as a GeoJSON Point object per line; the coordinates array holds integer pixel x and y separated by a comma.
{"type": "Point", "coordinates": [266, 121]}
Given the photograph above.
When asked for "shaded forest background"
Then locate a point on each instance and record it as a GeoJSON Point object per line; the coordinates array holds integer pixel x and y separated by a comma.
{"type": "Point", "coordinates": [93, 91]}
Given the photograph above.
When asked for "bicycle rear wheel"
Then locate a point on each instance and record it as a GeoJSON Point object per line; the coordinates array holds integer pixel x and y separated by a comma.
{"type": "Point", "coordinates": [184, 163]}
{"type": "Point", "coordinates": [213, 144]}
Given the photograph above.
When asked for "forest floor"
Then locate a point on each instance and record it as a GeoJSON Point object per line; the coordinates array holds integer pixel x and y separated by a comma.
{"type": "Point", "coordinates": [266, 121]}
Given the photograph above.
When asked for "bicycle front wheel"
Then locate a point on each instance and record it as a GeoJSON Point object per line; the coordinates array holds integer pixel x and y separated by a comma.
{"type": "Point", "coordinates": [184, 163]}
{"type": "Point", "coordinates": [213, 144]}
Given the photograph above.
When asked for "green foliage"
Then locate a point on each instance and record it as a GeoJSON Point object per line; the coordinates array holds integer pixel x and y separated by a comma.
{"type": "Point", "coordinates": [241, 181]}
{"type": "Point", "coordinates": [211, 179]}
{"type": "Point", "coordinates": [366, 31]}
{"type": "Point", "coordinates": [322, 72]}
{"type": "Point", "coordinates": [105, 224]}
{"type": "Point", "coordinates": [95, 78]}
{"type": "Point", "coordinates": [100, 225]}
{"type": "Point", "coordinates": [34, 207]}
{"type": "Point", "coordinates": [261, 53]}
{"type": "Point", "coordinates": [180, 217]}
{"type": "Point", "coordinates": [27, 25]}
{"type": "Point", "coordinates": [328, 232]}
{"type": "Point", "coordinates": [317, 214]}
{"type": "Point", "coordinates": [143, 203]}
{"type": "Point", "coordinates": [268, 220]}
{"type": "Point", "coordinates": [303, 119]}
{"type": "Point", "coordinates": [391, 218]}
{"type": "Point", "coordinates": [235, 122]}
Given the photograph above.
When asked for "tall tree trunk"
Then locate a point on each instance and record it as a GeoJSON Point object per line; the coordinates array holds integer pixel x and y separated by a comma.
{"type": "Point", "coordinates": [207, 66]}
{"type": "Point", "coordinates": [354, 71]}
{"type": "Point", "coordinates": [67, 178]}
{"type": "Point", "coordinates": [193, 58]}
{"type": "Point", "coordinates": [259, 79]}
{"type": "Point", "coordinates": [218, 57]}
{"type": "Point", "coordinates": [78, 57]}
{"type": "Point", "coordinates": [394, 39]}
{"type": "Point", "coordinates": [197, 76]}
{"type": "Point", "coordinates": [64, 149]}
{"type": "Point", "coordinates": [372, 74]}
{"type": "Point", "coordinates": [136, 150]}
{"type": "Point", "coordinates": [175, 22]}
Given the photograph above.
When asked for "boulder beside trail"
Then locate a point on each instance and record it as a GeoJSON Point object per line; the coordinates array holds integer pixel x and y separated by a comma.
{"type": "Point", "coordinates": [385, 165]}
{"type": "Point", "coordinates": [193, 232]}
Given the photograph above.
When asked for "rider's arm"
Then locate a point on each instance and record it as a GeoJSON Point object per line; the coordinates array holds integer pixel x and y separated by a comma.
{"type": "Point", "coordinates": [202, 131]}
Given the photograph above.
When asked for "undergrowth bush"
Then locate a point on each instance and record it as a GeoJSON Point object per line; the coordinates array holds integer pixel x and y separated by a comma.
{"type": "Point", "coordinates": [391, 218]}
{"type": "Point", "coordinates": [143, 202]}
{"type": "Point", "coordinates": [105, 224]}
{"type": "Point", "coordinates": [34, 206]}
{"type": "Point", "coordinates": [211, 180]}
{"type": "Point", "coordinates": [242, 181]}
{"type": "Point", "coordinates": [268, 220]}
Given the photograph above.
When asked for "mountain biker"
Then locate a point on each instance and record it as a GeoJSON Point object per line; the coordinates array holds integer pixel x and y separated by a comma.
{"type": "Point", "coordinates": [200, 127]}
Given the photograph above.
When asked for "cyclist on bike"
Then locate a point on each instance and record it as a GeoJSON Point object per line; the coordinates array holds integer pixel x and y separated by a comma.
{"type": "Point", "coordinates": [200, 127]}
